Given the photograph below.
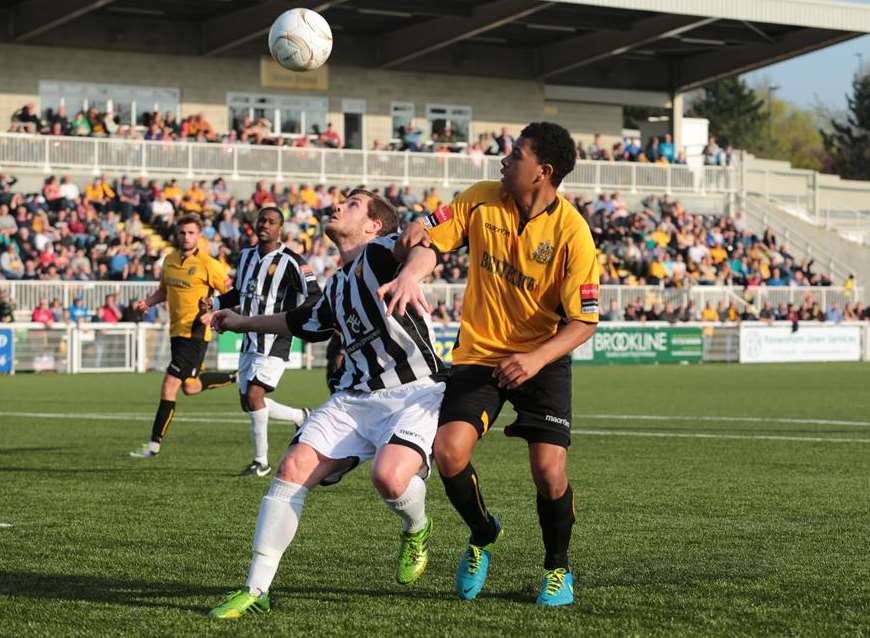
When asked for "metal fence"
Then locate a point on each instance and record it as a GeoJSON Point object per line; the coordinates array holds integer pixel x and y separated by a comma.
{"type": "Point", "coordinates": [194, 160]}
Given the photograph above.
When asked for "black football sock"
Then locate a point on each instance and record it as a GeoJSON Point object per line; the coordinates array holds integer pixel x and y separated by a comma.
{"type": "Point", "coordinates": [212, 380]}
{"type": "Point", "coordinates": [556, 519]}
{"type": "Point", "coordinates": [463, 490]}
{"type": "Point", "coordinates": [162, 419]}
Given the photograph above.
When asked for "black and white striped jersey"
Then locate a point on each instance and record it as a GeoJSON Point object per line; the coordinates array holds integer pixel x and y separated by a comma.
{"type": "Point", "coordinates": [264, 285]}
{"type": "Point", "coordinates": [380, 351]}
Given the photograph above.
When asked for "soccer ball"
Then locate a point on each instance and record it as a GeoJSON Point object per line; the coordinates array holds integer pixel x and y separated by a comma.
{"type": "Point", "coordinates": [300, 40]}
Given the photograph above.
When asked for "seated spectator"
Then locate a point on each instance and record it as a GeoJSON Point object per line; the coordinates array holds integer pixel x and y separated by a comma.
{"type": "Point", "coordinates": [652, 150]}
{"type": "Point", "coordinates": [80, 125]}
{"type": "Point", "coordinates": [11, 264]}
{"type": "Point", "coordinates": [26, 120]}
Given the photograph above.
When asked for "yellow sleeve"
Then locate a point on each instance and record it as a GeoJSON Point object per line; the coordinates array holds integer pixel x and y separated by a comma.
{"type": "Point", "coordinates": [163, 276]}
{"type": "Point", "coordinates": [448, 225]}
{"type": "Point", "coordinates": [218, 279]}
{"type": "Point", "coordinates": [580, 286]}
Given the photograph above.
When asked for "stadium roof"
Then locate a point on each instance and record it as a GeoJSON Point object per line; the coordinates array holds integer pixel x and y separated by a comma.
{"type": "Point", "coordinates": [647, 45]}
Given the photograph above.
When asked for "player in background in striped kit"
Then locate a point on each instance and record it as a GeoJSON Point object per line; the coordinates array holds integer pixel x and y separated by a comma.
{"type": "Point", "coordinates": [270, 278]}
{"type": "Point", "coordinates": [385, 406]}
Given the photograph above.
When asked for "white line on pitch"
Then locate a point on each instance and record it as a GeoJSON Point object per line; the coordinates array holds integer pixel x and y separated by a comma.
{"type": "Point", "coordinates": [726, 419]}
{"type": "Point", "coordinates": [117, 417]}
{"type": "Point", "coordinates": [699, 435]}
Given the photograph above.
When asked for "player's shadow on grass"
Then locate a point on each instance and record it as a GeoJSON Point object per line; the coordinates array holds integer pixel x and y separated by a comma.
{"type": "Point", "coordinates": [78, 587]}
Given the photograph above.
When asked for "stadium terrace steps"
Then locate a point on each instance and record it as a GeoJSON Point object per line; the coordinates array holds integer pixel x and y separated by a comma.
{"type": "Point", "coordinates": [833, 253]}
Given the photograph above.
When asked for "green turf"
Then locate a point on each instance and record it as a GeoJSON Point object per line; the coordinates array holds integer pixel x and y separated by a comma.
{"type": "Point", "coordinates": [676, 534]}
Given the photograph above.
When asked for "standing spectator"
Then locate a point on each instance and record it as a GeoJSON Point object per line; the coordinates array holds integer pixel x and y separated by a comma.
{"type": "Point", "coordinates": [42, 313]}
{"type": "Point", "coordinates": [652, 149]}
{"type": "Point", "coordinates": [666, 148]}
{"type": "Point", "coordinates": [596, 149]}
{"type": "Point", "coordinates": [78, 312]}
{"type": "Point", "coordinates": [110, 312]}
{"type": "Point", "coordinates": [712, 152]}
{"type": "Point", "coordinates": [58, 313]}
{"type": "Point", "coordinates": [505, 141]}
{"type": "Point", "coordinates": [128, 198]}
{"type": "Point", "coordinates": [7, 309]}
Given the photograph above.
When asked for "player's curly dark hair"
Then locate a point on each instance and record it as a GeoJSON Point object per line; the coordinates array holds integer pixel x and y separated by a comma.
{"type": "Point", "coordinates": [552, 145]}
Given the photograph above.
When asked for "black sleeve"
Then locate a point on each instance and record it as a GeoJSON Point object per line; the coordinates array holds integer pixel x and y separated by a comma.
{"type": "Point", "coordinates": [312, 322]}
{"type": "Point", "coordinates": [379, 254]}
{"type": "Point", "coordinates": [304, 282]}
{"type": "Point", "coordinates": [229, 299]}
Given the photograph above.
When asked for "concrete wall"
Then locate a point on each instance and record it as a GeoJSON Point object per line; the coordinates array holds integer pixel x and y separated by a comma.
{"type": "Point", "coordinates": [205, 81]}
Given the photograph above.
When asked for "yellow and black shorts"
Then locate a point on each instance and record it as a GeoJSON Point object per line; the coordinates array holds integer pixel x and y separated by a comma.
{"type": "Point", "coordinates": [543, 403]}
{"type": "Point", "coordinates": [187, 357]}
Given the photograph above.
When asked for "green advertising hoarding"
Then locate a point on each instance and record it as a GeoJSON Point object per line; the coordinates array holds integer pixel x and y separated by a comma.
{"type": "Point", "coordinates": [642, 344]}
{"type": "Point", "coordinates": [229, 344]}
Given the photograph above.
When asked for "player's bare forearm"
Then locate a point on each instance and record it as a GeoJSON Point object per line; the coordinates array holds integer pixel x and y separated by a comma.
{"type": "Point", "coordinates": [518, 368]}
{"type": "Point", "coordinates": [415, 234]}
{"type": "Point", "coordinates": [570, 336]}
{"type": "Point", "coordinates": [405, 289]}
{"type": "Point", "coordinates": [156, 297]}
{"type": "Point", "coordinates": [224, 320]}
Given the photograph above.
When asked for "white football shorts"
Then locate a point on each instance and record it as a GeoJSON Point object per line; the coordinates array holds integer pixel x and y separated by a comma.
{"type": "Point", "coordinates": [355, 425]}
{"type": "Point", "coordinates": [266, 370]}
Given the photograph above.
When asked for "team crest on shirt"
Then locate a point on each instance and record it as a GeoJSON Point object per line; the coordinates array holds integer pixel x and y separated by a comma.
{"type": "Point", "coordinates": [272, 269]}
{"type": "Point", "coordinates": [191, 271]}
{"type": "Point", "coordinates": [358, 270]}
{"type": "Point", "coordinates": [543, 253]}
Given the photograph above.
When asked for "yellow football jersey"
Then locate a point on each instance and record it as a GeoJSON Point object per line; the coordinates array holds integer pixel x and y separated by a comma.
{"type": "Point", "coordinates": [522, 280]}
{"type": "Point", "coordinates": [186, 280]}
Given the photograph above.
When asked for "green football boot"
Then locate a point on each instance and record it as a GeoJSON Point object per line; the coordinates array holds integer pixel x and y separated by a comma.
{"type": "Point", "coordinates": [239, 603]}
{"type": "Point", "coordinates": [413, 554]}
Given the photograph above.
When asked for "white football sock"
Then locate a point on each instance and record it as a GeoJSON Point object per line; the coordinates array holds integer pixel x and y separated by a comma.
{"type": "Point", "coordinates": [277, 521]}
{"type": "Point", "coordinates": [153, 446]}
{"type": "Point", "coordinates": [411, 505]}
{"type": "Point", "coordinates": [284, 412]}
{"type": "Point", "coordinates": [260, 434]}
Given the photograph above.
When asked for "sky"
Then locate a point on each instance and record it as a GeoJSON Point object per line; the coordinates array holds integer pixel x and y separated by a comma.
{"type": "Point", "coordinates": [823, 76]}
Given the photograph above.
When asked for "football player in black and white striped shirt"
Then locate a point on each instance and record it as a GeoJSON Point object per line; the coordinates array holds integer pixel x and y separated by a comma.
{"type": "Point", "coordinates": [385, 406]}
{"type": "Point", "coordinates": [270, 278]}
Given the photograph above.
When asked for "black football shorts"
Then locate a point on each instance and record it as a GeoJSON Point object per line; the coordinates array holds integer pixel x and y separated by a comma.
{"type": "Point", "coordinates": [187, 357]}
{"type": "Point", "coordinates": [543, 403]}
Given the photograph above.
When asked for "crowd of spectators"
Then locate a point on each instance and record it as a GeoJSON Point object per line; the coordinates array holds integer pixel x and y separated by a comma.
{"type": "Point", "coordinates": [156, 126]}
{"type": "Point", "coordinates": [121, 230]}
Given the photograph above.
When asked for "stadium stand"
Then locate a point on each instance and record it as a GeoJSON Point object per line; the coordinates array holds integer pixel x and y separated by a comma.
{"type": "Point", "coordinates": [119, 231]}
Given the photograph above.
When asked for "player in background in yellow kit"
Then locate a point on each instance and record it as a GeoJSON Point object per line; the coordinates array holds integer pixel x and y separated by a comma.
{"type": "Point", "coordinates": [189, 278]}
{"type": "Point", "coordinates": [530, 300]}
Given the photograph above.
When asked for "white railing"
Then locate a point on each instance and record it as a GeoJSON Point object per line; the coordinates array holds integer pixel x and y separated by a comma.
{"type": "Point", "coordinates": [26, 294]}
{"type": "Point", "coordinates": [194, 160]}
{"type": "Point", "coordinates": [128, 347]}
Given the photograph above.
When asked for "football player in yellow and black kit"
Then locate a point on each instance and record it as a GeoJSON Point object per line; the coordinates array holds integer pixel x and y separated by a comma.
{"type": "Point", "coordinates": [189, 278]}
{"type": "Point", "coordinates": [530, 300]}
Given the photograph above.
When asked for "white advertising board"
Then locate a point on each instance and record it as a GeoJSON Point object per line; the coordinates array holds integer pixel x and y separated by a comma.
{"type": "Point", "coordinates": [770, 344]}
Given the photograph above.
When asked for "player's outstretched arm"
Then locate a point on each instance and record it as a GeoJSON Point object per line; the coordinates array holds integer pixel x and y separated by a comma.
{"type": "Point", "coordinates": [515, 370]}
{"type": "Point", "coordinates": [405, 289]}
{"type": "Point", "coordinates": [156, 297]}
{"type": "Point", "coordinates": [415, 235]}
{"type": "Point", "coordinates": [227, 320]}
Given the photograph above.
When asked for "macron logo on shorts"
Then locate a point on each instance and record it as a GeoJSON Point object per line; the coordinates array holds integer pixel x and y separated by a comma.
{"type": "Point", "coordinates": [555, 419]}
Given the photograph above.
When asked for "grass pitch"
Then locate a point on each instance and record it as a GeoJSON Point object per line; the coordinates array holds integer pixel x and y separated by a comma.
{"type": "Point", "coordinates": [711, 500]}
